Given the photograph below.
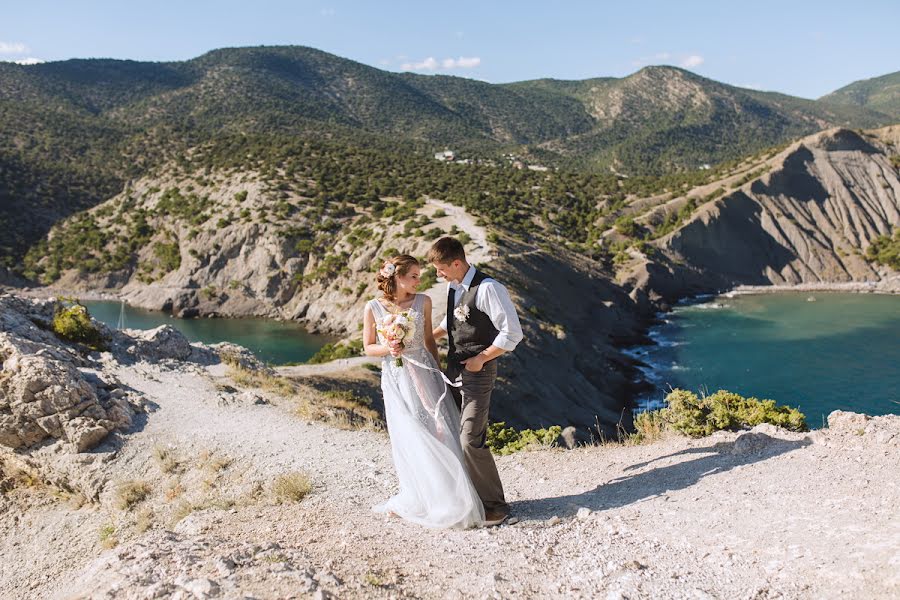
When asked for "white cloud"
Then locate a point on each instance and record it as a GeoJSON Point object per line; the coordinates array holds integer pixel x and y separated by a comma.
{"type": "Point", "coordinates": [694, 60]}
{"type": "Point", "coordinates": [429, 64]}
{"type": "Point", "coordinates": [29, 61]}
{"type": "Point", "coordinates": [13, 48]}
{"type": "Point", "coordinates": [432, 64]}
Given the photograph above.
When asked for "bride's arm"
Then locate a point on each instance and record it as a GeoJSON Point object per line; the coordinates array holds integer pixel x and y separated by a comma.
{"type": "Point", "coordinates": [370, 343]}
{"type": "Point", "coordinates": [429, 334]}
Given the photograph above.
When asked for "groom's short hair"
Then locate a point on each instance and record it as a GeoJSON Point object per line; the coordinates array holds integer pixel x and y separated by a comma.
{"type": "Point", "coordinates": [445, 251]}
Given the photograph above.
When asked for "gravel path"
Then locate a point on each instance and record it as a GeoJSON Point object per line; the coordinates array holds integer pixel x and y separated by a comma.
{"type": "Point", "coordinates": [763, 514]}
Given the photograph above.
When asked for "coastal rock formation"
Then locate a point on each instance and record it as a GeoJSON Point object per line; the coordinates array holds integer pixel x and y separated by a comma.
{"type": "Point", "coordinates": [808, 219]}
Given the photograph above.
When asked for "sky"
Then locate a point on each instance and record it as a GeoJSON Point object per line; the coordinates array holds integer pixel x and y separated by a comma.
{"type": "Point", "coordinates": [796, 47]}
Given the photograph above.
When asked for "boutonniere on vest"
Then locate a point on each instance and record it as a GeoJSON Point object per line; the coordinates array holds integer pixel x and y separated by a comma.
{"type": "Point", "coordinates": [461, 313]}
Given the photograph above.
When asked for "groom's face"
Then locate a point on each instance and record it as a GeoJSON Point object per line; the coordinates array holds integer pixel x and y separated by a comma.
{"type": "Point", "coordinates": [452, 271]}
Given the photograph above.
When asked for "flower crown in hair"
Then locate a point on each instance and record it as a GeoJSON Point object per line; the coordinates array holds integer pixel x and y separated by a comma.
{"type": "Point", "coordinates": [388, 269]}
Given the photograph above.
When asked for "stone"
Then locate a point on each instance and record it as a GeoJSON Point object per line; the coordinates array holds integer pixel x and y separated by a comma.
{"type": "Point", "coordinates": [161, 343]}
{"type": "Point", "coordinates": [224, 565]}
{"type": "Point", "coordinates": [847, 422]}
{"type": "Point", "coordinates": [200, 588]}
{"type": "Point", "coordinates": [568, 437]}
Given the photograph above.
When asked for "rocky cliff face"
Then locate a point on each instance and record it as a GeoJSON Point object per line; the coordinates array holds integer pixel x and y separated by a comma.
{"type": "Point", "coordinates": [807, 219]}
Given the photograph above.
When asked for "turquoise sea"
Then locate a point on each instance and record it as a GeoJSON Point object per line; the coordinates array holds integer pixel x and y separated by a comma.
{"type": "Point", "coordinates": [272, 341]}
{"type": "Point", "coordinates": [816, 351]}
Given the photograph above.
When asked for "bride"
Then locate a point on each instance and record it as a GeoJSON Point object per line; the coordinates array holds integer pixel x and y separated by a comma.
{"type": "Point", "coordinates": [422, 418]}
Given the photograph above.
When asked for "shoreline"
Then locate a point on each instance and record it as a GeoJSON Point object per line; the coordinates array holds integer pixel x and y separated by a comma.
{"type": "Point", "coordinates": [889, 286]}
{"type": "Point", "coordinates": [49, 292]}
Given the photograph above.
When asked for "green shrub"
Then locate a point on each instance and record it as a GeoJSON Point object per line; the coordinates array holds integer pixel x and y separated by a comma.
{"type": "Point", "coordinates": [433, 233]}
{"type": "Point", "coordinates": [627, 227]}
{"type": "Point", "coordinates": [506, 440]}
{"type": "Point", "coordinates": [169, 256]}
{"type": "Point", "coordinates": [885, 251]}
{"type": "Point", "coordinates": [428, 279]}
{"type": "Point", "coordinates": [648, 426]}
{"type": "Point", "coordinates": [698, 416]}
{"type": "Point", "coordinates": [330, 352]}
{"type": "Point", "coordinates": [73, 323]}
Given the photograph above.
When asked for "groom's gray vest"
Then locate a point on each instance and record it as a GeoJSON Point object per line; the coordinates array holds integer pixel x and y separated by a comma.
{"type": "Point", "coordinates": [467, 338]}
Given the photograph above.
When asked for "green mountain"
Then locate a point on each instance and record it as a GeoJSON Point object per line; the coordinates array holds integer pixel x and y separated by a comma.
{"type": "Point", "coordinates": [81, 129]}
{"type": "Point", "coordinates": [881, 94]}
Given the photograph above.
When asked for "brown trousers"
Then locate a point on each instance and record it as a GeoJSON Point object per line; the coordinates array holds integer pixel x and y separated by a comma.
{"type": "Point", "coordinates": [474, 400]}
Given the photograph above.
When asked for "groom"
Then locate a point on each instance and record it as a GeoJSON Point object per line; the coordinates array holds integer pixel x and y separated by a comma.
{"type": "Point", "coordinates": [481, 324]}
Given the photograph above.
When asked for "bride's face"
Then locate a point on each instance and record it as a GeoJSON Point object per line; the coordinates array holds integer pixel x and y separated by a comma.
{"type": "Point", "coordinates": [410, 281]}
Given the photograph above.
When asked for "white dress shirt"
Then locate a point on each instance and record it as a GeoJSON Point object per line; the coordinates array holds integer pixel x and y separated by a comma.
{"type": "Point", "coordinates": [492, 299]}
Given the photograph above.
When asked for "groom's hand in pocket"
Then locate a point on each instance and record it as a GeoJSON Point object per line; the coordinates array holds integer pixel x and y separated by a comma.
{"type": "Point", "coordinates": [474, 364]}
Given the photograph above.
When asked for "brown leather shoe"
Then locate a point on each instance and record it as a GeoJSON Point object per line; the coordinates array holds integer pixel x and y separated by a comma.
{"type": "Point", "coordinates": [494, 517]}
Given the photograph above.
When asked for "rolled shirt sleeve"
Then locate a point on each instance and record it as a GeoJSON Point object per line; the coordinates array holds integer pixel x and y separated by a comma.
{"type": "Point", "coordinates": [494, 300]}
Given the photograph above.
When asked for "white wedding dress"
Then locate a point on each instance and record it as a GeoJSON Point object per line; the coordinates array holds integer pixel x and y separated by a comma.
{"type": "Point", "coordinates": [435, 490]}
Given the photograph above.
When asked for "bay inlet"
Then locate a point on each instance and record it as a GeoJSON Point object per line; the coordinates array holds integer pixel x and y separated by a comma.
{"type": "Point", "coordinates": [273, 342]}
{"type": "Point", "coordinates": [818, 351]}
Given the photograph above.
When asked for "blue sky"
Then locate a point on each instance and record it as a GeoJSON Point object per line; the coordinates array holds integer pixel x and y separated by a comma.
{"type": "Point", "coordinates": [800, 47]}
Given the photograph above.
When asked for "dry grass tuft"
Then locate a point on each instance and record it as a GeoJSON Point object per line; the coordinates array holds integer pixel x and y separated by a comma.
{"type": "Point", "coordinates": [130, 493]}
{"type": "Point", "coordinates": [166, 459]}
{"type": "Point", "coordinates": [182, 509]}
{"type": "Point", "coordinates": [144, 520]}
{"type": "Point", "coordinates": [263, 380]}
{"type": "Point", "coordinates": [216, 464]}
{"type": "Point", "coordinates": [339, 408]}
{"type": "Point", "coordinates": [108, 537]}
{"type": "Point", "coordinates": [291, 487]}
{"type": "Point", "coordinates": [173, 490]}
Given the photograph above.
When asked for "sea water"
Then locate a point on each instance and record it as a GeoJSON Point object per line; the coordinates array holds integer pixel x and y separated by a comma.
{"type": "Point", "coordinates": [818, 351]}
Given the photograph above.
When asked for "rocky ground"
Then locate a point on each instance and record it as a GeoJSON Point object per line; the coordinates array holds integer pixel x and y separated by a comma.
{"type": "Point", "coordinates": [183, 502]}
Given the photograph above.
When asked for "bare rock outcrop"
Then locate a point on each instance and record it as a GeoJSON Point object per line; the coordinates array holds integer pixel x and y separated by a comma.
{"type": "Point", "coordinates": [47, 390]}
{"type": "Point", "coordinates": [808, 219]}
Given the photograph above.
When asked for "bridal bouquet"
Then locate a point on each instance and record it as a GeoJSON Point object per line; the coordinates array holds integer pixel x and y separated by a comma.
{"type": "Point", "coordinates": [396, 328]}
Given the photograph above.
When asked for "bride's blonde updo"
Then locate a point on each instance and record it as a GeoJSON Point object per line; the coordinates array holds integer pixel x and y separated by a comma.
{"type": "Point", "coordinates": [387, 274]}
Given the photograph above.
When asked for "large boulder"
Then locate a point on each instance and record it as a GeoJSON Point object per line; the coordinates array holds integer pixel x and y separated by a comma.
{"type": "Point", "coordinates": [164, 342]}
{"type": "Point", "coordinates": [44, 397]}
{"type": "Point", "coordinates": [48, 391]}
